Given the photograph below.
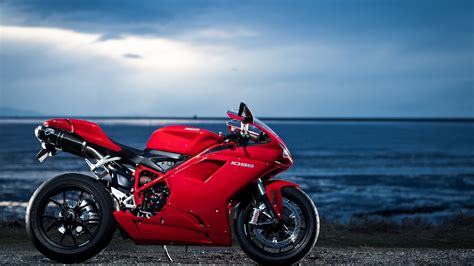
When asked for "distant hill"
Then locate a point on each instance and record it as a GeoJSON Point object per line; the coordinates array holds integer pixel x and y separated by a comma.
{"type": "Point", "coordinates": [13, 112]}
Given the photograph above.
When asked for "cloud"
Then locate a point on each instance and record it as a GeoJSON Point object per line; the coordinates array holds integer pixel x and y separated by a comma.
{"type": "Point", "coordinates": [109, 36]}
{"type": "Point", "coordinates": [132, 56]}
{"type": "Point", "coordinates": [216, 33]}
{"type": "Point", "coordinates": [161, 54]}
{"type": "Point", "coordinates": [76, 58]}
{"type": "Point", "coordinates": [63, 71]}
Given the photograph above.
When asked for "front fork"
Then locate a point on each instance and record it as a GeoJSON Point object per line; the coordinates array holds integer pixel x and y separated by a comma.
{"type": "Point", "coordinates": [263, 197]}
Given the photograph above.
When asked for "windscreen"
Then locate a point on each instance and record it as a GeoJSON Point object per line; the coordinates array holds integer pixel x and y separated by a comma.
{"type": "Point", "coordinates": [257, 122]}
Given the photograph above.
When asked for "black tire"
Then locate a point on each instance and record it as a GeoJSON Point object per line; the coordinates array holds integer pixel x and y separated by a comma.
{"type": "Point", "coordinates": [308, 240]}
{"type": "Point", "coordinates": [100, 229]}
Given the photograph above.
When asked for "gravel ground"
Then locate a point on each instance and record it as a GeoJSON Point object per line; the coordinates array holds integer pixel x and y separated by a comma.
{"type": "Point", "coordinates": [125, 252]}
{"type": "Point", "coordinates": [335, 246]}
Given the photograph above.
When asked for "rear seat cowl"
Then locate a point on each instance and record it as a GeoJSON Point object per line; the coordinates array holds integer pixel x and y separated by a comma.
{"type": "Point", "coordinates": [89, 131]}
{"type": "Point", "coordinates": [59, 123]}
{"type": "Point", "coordinates": [93, 133]}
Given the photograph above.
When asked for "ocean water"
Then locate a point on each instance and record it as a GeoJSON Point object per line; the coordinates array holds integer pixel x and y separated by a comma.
{"type": "Point", "coordinates": [386, 170]}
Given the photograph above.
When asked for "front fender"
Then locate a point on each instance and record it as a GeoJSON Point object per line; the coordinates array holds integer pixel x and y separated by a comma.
{"type": "Point", "coordinates": [273, 189]}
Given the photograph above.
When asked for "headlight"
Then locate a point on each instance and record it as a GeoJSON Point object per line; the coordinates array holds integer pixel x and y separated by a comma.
{"type": "Point", "coordinates": [286, 153]}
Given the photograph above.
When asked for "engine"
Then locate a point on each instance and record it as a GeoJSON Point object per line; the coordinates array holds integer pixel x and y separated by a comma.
{"type": "Point", "coordinates": [155, 199]}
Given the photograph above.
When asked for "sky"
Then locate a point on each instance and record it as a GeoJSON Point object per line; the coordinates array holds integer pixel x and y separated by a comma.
{"type": "Point", "coordinates": [283, 58]}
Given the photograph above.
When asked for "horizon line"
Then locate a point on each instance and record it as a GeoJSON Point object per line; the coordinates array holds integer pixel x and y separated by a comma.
{"type": "Point", "coordinates": [296, 118]}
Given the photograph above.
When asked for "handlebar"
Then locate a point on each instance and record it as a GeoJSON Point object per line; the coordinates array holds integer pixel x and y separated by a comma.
{"type": "Point", "coordinates": [237, 137]}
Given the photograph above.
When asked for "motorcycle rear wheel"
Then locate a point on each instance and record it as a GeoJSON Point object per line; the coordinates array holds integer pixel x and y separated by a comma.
{"type": "Point", "coordinates": [288, 243]}
{"type": "Point", "coordinates": [69, 218]}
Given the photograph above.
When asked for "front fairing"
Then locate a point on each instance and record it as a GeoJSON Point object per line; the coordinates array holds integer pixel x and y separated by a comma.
{"type": "Point", "coordinates": [277, 142]}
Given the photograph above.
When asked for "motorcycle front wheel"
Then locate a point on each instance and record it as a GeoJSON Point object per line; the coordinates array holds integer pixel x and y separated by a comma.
{"type": "Point", "coordinates": [284, 243]}
{"type": "Point", "coordinates": [69, 218]}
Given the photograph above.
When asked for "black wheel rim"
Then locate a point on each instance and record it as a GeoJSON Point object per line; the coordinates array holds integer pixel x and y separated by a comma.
{"type": "Point", "coordinates": [69, 218]}
{"type": "Point", "coordinates": [279, 239]}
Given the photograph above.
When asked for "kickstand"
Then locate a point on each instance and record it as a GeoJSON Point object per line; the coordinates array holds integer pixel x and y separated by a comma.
{"type": "Point", "coordinates": [167, 253]}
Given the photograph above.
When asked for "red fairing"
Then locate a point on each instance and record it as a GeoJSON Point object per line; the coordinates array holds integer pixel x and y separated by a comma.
{"type": "Point", "coordinates": [59, 123]}
{"type": "Point", "coordinates": [273, 189]}
{"type": "Point", "coordinates": [89, 131]}
{"type": "Point", "coordinates": [182, 139]}
{"type": "Point", "coordinates": [197, 211]}
{"type": "Point", "coordinates": [168, 226]}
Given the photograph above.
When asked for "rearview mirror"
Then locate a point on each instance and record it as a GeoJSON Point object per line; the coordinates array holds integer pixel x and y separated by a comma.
{"type": "Point", "coordinates": [244, 111]}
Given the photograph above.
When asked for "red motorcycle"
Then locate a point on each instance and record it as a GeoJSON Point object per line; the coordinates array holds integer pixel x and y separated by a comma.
{"type": "Point", "coordinates": [185, 188]}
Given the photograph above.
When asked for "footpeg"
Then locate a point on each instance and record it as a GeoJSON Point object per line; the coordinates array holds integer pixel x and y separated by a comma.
{"type": "Point", "coordinates": [46, 149]}
{"type": "Point", "coordinates": [42, 155]}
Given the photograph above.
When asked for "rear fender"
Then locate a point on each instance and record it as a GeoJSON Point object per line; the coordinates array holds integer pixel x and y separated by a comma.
{"type": "Point", "coordinates": [273, 189]}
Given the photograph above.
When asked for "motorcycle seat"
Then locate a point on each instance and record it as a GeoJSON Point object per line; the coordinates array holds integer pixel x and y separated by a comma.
{"type": "Point", "coordinates": [129, 149]}
{"type": "Point", "coordinates": [147, 153]}
{"type": "Point", "coordinates": [147, 157]}
{"type": "Point", "coordinates": [94, 134]}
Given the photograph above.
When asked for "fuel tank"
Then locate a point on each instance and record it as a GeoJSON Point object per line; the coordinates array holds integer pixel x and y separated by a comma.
{"type": "Point", "coordinates": [182, 139]}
